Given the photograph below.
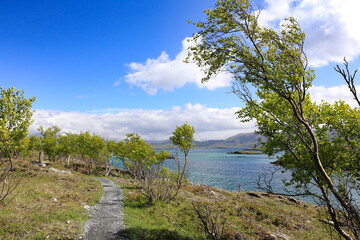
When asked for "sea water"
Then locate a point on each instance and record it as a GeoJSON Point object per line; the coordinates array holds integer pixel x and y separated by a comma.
{"type": "Point", "coordinates": [215, 167]}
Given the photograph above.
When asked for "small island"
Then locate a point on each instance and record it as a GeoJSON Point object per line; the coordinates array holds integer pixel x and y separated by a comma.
{"type": "Point", "coordinates": [253, 149]}
{"type": "Point", "coordinates": [244, 152]}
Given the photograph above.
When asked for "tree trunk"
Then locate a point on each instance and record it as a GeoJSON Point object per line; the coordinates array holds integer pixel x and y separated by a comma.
{"type": "Point", "coordinates": [41, 157]}
{"type": "Point", "coordinates": [68, 160]}
{"type": "Point", "coordinates": [107, 170]}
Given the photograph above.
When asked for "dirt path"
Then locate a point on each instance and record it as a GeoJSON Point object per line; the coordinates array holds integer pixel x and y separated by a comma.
{"type": "Point", "coordinates": [106, 219]}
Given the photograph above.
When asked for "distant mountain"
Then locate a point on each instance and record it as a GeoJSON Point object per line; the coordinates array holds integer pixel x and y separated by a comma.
{"type": "Point", "coordinates": [241, 140]}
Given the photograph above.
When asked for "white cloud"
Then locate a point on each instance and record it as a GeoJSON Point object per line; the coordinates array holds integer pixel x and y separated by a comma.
{"type": "Point", "coordinates": [332, 94]}
{"type": "Point", "coordinates": [331, 26]}
{"type": "Point", "coordinates": [117, 83]}
{"type": "Point", "coordinates": [168, 74]}
{"type": "Point", "coordinates": [153, 124]}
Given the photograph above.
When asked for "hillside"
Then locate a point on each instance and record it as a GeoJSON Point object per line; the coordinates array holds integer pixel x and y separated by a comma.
{"type": "Point", "coordinates": [241, 140]}
{"type": "Point", "coordinates": [53, 205]}
{"type": "Point", "coordinates": [245, 215]}
{"type": "Point", "coordinates": [48, 204]}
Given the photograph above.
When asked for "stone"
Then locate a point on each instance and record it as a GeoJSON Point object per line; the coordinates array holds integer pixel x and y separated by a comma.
{"type": "Point", "coordinates": [59, 171]}
{"type": "Point", "coordinates": [282, 236]}
{"type": "Point", "coordinates": [252, 194]}
{"type": "Point", "coordinates": [87, 208]}
{"type": "Point", "coordinates": [294, 200]}
{"type": "Point", "coordinates": [211, 192]}
{"type": "Point", "coordinates": [40, 164]}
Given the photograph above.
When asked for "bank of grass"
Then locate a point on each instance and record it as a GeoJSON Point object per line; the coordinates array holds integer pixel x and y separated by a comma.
{"type": "Point", "coordinates": [248, 217]}
{"type": "Point", "coordinates": [48, 205]}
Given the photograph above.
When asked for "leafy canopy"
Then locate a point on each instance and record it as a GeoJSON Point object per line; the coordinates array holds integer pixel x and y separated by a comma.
{"type": "Point", "coordinates": [183, 137]}
{"type": "Point", "coordinates": [137, 156]}
{"type": "Point", "coordinates": [320, 142]}
{"type": "Point", "coordinates": [15, 119]}
{"type": "Point", "coordinates": [50, 144]}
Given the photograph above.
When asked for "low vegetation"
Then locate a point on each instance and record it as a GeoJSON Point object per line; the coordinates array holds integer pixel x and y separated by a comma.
{"type": "Point", "coordinates": [235, 215]}
{"type": "Point", "coordinates": [142, 161]}
{"type": "Point", "coordinates": [54, 205]}
{"type": "Point", "coordinates": [47, 204]}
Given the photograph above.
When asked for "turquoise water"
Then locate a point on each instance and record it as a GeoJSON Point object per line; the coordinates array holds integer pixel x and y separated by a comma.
{"type": "Point", "coordinates": [216, 168]}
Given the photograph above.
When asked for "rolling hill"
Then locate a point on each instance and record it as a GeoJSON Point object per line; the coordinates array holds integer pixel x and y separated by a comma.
{"type": "Point", "coordinates": [241, 140]}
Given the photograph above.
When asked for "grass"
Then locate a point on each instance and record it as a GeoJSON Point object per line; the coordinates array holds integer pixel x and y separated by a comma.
{"type": "Point", "coordinates": [48, 205]}
{"type": "Point", "coordinates": [248, 217]}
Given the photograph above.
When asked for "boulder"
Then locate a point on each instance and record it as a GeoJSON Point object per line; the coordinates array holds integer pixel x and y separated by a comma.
{"type": "Point", "coordinates": [40, 164]}
{"type": "Point", "coordinates": [294, 200]}
{"type": "Point", "coordinates": [252, 194]}
{"type": "Point", "coordinates": [59, 171]}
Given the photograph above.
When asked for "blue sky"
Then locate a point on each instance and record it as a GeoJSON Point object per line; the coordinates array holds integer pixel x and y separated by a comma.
{"type": "Point", "coordinates": [70, 53]}
{"type": "Point", "coordinates": [113, 67]}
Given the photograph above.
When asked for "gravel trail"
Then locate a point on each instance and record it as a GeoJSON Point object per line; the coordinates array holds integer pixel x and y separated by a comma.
{"type": "Point", "coordinates": [106, 219]}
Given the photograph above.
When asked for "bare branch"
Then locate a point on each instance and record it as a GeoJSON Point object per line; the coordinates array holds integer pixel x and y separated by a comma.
{"type": "Point", "coordinates": [349, 79]}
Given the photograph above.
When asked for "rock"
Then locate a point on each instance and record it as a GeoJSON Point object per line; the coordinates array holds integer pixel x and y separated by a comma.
{"type": "Point", "coordinates": [282, 236]}
{"type": "Point", "coordinates": [252, 194]}
{"type": "Point", "coordinates": [171, 156]}
{"type": "Point", "coordinates": [274, 236]}
{"type": "Point", "coordinates": [87, 208]}
{"type": "Point", "coordinates": [59, 171]}
{"type": "Point", "coordinates": [40, 164]}
{"type": "Point", "coordinates": [210, 192]}
{"type": "Point", "coordinates": [239, 236]}
{"type": "Point", "coordinates": [294, 200]}
{"type": "Point", "coordinates": [268, 236]}
{"type": "Point", "coordinates": [244, 152]}
{"type": "Point", "coordinates": [329, 222]}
